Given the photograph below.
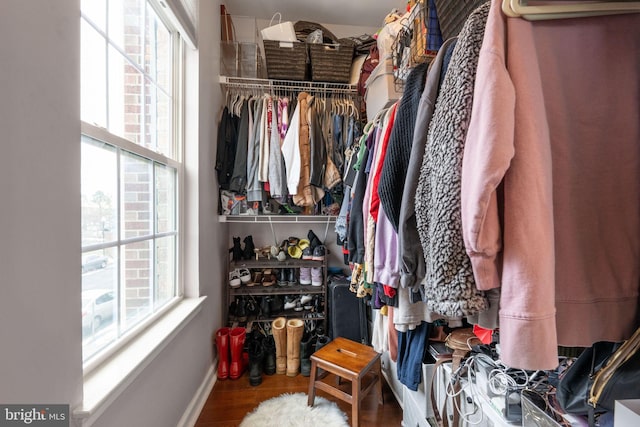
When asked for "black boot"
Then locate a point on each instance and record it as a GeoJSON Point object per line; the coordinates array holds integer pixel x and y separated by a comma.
{"type": "Point", "coordinates": [321, 341]}
{"type": "Point", "coordinates": [249, 248]}
{"type": "Point", "coordinates": [269, 363]}
{"type": "Point", "coordinates": [276, 305]}
{"type": "Point", "coordinates": [236, 250]}
{"type": "Point", "coordinates": [256, 355]}
{"type": "Point", "coordinates": [313, 240]}
{"type": "Point", "coordinates": [241, 309]}
{"type": "Point", "coordinates": [306, 349]}
{"type": "Point", "coordinates": [251, 307]}
{"type": "Point", "coordinates": [265, 306]}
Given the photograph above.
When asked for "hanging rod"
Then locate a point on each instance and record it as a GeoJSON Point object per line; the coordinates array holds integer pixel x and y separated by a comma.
{"type": "Point", "coordinates": [298, 86]}
{"type": "Point", "coordinates": [548, 10]}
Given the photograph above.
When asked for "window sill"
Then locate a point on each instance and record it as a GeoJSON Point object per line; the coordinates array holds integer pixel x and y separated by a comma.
{"type": "Point", "coordinates": [105, 383]}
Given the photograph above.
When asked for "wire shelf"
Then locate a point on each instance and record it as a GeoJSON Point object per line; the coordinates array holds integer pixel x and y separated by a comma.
{"type": "Point", "coordinates": [288, 85]}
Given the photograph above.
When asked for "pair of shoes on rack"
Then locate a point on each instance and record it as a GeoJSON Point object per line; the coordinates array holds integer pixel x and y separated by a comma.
{"type": "Point", "coordinates": [238, 310]}
{"type": "Point", "coordinates": [316, 250]}
{"type": "Point", "coordinates": [238, 253]}
{"type": "Point", "coordinates": [311, 276]}
{"type": "Point", "coordinates": [238, 277]}
{"type": "Point", "coordinates": [297, 247]}
{"type": "Point", "coordinates": [287, 277]}
{"type": "Point", "coordinates": [292, 302]}
{"type": "Point", "coordinates": [306, 301]}
{"type": "Point", "coordinates": [268, 277]}
{"type": "Point", "coordinates": [263, 252]}
{"type": "Point", "coordinates": [256, 278]}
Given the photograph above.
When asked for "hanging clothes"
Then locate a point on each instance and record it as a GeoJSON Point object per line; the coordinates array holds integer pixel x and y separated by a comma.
{"type": "Point", "coordinates": [226, 149]}
{"type": "Point", "coordinates": [265, 138]}
{"type": "Point", "coordinates": [413, 268]}
{"type": "Point", "coordinates": [291, 152]}
{"type": "Point", "coordinates": [411, 313]}
{"type": "Point", "coordinates": [306, 194]}
{"type": "Point", "coordinates": [277, 176]}
{"type": "Point", "coordinates": [238, 181]}
{"type": "Point", "coordinates": [394, 169]}
{"type": "Point", "coordinates": [254, 188]}
{"type": "Point", "coordinates": [551, 206]}
{"type": "Point", "coordinates": [449, 282]}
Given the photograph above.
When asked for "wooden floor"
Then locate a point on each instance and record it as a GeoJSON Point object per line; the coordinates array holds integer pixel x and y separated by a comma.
{"type": "Point", "coordinates": [231, 400]}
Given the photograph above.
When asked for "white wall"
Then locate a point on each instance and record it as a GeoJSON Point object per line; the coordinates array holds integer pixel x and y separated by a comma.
{"type": "Point", "coordinates": [40, 331]}
{"type": "Point", "coordinates": [40, 284]}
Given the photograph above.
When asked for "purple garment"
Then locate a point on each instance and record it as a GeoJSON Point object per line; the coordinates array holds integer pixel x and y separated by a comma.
{"type": "Point", "coordinates": [386, 253]}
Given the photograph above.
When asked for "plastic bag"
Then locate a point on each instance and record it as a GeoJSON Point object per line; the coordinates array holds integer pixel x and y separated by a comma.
{"type": "Point", "coordinates": [315, 37]}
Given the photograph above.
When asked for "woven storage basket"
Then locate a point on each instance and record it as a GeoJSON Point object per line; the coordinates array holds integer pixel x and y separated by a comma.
{"type": "Point", "coordinates": [286, 60]}
{"type": "Point", "coordinates": [452, 14]}
{"type": "Point", "coordinates": [331, 62]}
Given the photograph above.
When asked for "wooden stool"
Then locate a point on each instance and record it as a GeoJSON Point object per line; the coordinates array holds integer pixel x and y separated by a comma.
{"type": "Point", "coordinates": [351, 361]}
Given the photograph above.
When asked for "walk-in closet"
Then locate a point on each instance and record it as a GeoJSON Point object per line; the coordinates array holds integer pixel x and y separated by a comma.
{"type": "Point", "coordinates": [472, 194]}
{"type": "Point", "coordinates": [416, 213]}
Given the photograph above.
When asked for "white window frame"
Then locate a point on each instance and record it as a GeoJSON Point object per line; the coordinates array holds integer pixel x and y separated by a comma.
{"type": "Point", "coordinates": [103, 135]}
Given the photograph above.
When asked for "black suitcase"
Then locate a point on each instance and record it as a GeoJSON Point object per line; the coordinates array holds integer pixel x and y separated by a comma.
{"type": "Point", "coordinates": [348, 314]}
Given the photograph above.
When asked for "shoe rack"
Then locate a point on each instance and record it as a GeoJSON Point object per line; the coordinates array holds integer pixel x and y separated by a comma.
{"type": "Point", "coordinates": [257, 291]}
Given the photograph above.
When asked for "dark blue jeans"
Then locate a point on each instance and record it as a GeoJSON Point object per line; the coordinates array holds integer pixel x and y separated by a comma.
{"type": "Point", "coordinates": [411, 347]}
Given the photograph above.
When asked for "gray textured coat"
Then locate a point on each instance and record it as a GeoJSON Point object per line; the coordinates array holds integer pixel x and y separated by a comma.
{"type": "Point", "coordinates": [450, 286]}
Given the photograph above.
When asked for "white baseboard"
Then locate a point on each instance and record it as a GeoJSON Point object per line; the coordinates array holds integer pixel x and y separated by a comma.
{"type": "Point", "coordinates": [194, 408]}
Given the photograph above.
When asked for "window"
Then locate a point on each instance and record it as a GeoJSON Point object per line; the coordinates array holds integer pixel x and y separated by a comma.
{"type": "Point", "coordinates": [131, 170]}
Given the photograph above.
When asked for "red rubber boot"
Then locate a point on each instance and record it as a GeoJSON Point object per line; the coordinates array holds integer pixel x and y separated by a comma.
{"type": "Point", "coordinates": [237, 336]}
{"type": "Point", "coordinates": [222, 344]}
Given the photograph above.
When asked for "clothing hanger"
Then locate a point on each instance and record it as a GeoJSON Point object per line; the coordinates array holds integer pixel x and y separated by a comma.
{"type": "Point", "coordinates": [234, 103]}
{"type": "Point", "coordinates": [520, 9]}
{"type": "Point", "coordinates": [351, 108]}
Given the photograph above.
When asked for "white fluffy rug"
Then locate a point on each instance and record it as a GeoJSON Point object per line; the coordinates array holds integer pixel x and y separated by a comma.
{"type": "Point", "coordinates": [291, 410]}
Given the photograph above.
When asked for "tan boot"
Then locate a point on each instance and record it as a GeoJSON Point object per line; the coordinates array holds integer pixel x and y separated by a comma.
{"type": "Point", "coordinates": [279, 332]}
{"type": "Point", "coordinates": [295, 328]}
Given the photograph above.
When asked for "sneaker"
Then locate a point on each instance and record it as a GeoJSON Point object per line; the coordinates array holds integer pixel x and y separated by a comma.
{"type": "Point", "coordinates": [305, 275]}
{"type": "Point", "coordinates": [316, 276]}
{"type": "Point", "coordinates": [305, 300]}
{"type": "Point", "coordinates": [245, 275]}
{"type": "Point", "coordinates": [307, 253]}
{"type": "Point", "coordinates": [290, 302]}
{"type": "Point", "coordinates": [298, 306]}
{"type": "Point", "coordinates": [319, 252]}
{"type": "Point", "coordinates": [234, 279]}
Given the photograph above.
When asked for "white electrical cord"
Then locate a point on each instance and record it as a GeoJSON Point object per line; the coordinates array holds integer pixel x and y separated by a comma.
{"type": "Point", "coordinates": [499, 381]}
{"type": "Point", "coordinates": [467, 386]}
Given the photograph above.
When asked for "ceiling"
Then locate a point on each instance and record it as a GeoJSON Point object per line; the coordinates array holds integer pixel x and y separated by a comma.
{"type": "Point", "coordinates": [363, 13]}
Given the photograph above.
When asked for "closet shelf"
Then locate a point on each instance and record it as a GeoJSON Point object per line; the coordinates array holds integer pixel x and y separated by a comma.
{"type": "Point", "coordinates": [278, 290]}
{"type": "Point", "coordinates": [288, 85]}
{"type": "Point", "coordinates": [279, 219]}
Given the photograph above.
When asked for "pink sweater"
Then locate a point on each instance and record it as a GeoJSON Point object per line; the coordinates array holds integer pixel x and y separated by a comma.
{"type": "Point", "coordinates": [551, 181]}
